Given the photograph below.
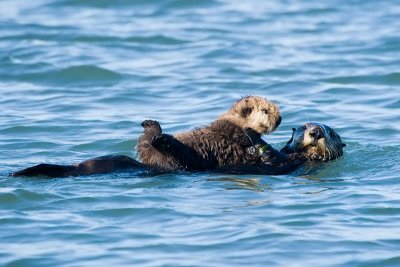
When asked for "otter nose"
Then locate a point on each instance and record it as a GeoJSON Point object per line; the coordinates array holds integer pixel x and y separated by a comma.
{"type": "Point", "coordinates": [316, 133]}
{"type": "Point", "coordinates": [278, 122]}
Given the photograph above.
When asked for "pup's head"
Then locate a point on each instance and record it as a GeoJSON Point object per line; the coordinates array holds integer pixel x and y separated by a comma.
{"type": "Point", "coordinates": [256, 113]}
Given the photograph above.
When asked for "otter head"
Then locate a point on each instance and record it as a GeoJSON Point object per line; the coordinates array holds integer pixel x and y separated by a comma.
{"type": "Point", "coordinates": [254, 112]}
{"type": "Point", "coordinates": [316, 142]}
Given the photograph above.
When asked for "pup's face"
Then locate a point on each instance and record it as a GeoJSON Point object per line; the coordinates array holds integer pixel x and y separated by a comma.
{"type": "Point", "coordinates": [258, 113]}
{"type": "Point", "coordinates": [315, 141]}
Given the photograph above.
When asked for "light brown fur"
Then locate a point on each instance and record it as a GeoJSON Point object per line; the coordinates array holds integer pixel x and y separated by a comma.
{"type": "Point", "coordinates": [222, 142]}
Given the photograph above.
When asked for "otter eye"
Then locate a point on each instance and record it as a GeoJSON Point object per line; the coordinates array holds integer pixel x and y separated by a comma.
{"type": "Point", "coordinates": [246, 111]}
{"type": "Point", "coordinates": [264, 110]}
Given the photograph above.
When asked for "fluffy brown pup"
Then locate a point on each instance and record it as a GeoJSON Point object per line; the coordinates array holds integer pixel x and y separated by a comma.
{"type": "Point", "coordinates": [223, 142]}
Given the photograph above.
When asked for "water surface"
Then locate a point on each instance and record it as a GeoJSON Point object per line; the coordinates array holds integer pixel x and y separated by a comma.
{"type": "Point", "coordinates": [78, 77]}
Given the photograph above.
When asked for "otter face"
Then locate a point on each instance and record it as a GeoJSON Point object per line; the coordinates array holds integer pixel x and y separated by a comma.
{"type": "Point", "coordinates": [316, 142]}
{"type": "Point", "coordinates": [257, 113]}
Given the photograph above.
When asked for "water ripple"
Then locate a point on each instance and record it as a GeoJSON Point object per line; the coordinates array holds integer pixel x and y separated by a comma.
{"type": "Point", "coordinates": [78, 77]}
{"type": "Point", "coordinates": [75, 75]}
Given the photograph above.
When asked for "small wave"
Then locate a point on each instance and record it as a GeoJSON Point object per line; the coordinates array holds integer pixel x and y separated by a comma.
{"type": "Point", "coordinates": [83, 74]}
{"type": "Point", "coordinates": [394, 104]}
{"type": "Point", "coordinates": [388, 79]}
{"type": "Point", "coordinates": [191, 4]}
{"type": "Point", "coordinates": [31, 129]}
{"type": "Point", "coordinates": [107, 146]}
{"type": "Point", "coordinates": [138, 3]}
{"type": "Point", "coordinates": [393, 261]}
{"type": "Point", "coordinates": [18, 196]}
{"type": "Point", "coordinates": [156, 39]}
{"type": "Point", "coordinates": [125, 213]}
{"type": "Point", "coordinates": [95, 3]}
{"type": "Point", "coordinates": [379, 211]}
{"type": "Point", "coordinates": [93, 145]}
{"type": "Point", "coordinates": [343, 91]}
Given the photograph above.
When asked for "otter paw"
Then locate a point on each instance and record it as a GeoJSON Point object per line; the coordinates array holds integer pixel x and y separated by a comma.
{"type": "Point", "coordinates": [161, 141]}
{"type": "Point", "coordinates": [254, 136]}
{"type": "Point", "coordinates": [252, 150]}
{"type": "Point", "coordinates": [314, 156]}
{"type": "Point", "coordinates": [297, 158]}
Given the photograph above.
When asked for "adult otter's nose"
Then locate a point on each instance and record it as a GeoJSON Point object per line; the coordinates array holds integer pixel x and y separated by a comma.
{"type": "Point", "coordinates": [278, 122]}
{"type": "Point", "coordinates": [316, 133]}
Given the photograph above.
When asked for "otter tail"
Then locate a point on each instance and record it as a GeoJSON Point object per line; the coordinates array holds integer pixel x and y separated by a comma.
{"type": "Point", "coordinates": [49, 170]}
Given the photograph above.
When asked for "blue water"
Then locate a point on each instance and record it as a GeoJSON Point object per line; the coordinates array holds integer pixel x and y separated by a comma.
{"type": "Point", "coordinates": [78, 77]}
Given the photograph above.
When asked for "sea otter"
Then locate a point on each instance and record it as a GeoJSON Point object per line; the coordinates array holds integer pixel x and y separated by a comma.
{"type": "Point", "coordinates": [310, 142]}
{"type": "Point", "coordinates": [315, 141]}
{"type": "Point", "coordinates": [223, 142]}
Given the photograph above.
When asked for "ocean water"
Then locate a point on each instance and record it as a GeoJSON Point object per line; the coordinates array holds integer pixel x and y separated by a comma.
{"type": "Point", "coordinates": [78, 77]}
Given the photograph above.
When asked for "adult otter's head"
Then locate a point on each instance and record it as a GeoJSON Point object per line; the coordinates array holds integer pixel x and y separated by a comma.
{"type": "Point", "coordinates": [315, 141]}
{"type": "Point", "coordinates": [254, 112]}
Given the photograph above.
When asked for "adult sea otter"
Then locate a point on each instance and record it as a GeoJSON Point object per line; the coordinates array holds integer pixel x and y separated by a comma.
{"type": "Point", "coordinates": [309, 142]}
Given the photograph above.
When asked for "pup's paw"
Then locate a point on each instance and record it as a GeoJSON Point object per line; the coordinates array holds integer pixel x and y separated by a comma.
{"type": "Point", "coordinates": [161, 141]}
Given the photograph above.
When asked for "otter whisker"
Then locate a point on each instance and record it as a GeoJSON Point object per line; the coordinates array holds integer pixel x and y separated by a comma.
{"type": "Point", "coordinates": [338, 154]}
{"type": "Point", "coordinates": [334, 153]}
{"type": "Point", "coordinates": [329, 153]}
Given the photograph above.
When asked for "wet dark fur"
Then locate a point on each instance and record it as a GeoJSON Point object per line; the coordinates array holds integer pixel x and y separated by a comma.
{"type": "Point", "coordinates": [269, 162]}
{"type": "Point", "coordinates": [99, 165]}
{"type": "Point", "coordinates": [221, 143]}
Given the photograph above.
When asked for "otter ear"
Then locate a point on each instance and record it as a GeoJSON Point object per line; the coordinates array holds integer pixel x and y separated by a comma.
{"type": "Point", "coordinates": [293, 129]}
{"type": "Point", "coordinates": [244, 112]}
{"type": "Point", "coordinates": [343, 145]}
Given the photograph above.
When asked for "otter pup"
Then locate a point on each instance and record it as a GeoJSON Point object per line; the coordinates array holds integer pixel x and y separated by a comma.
{"type": "Point", "coordinates": [223, 142]}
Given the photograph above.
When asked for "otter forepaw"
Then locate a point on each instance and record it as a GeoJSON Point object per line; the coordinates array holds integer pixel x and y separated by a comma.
{"type": "Point", "coordinates": [297, 158]}
{"type": "Point", "coordinates": [254, 136]}
{"type": "Point", "coordinates": [161, 142]}
{"type": "Point", "coordinates": [314, 157]}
